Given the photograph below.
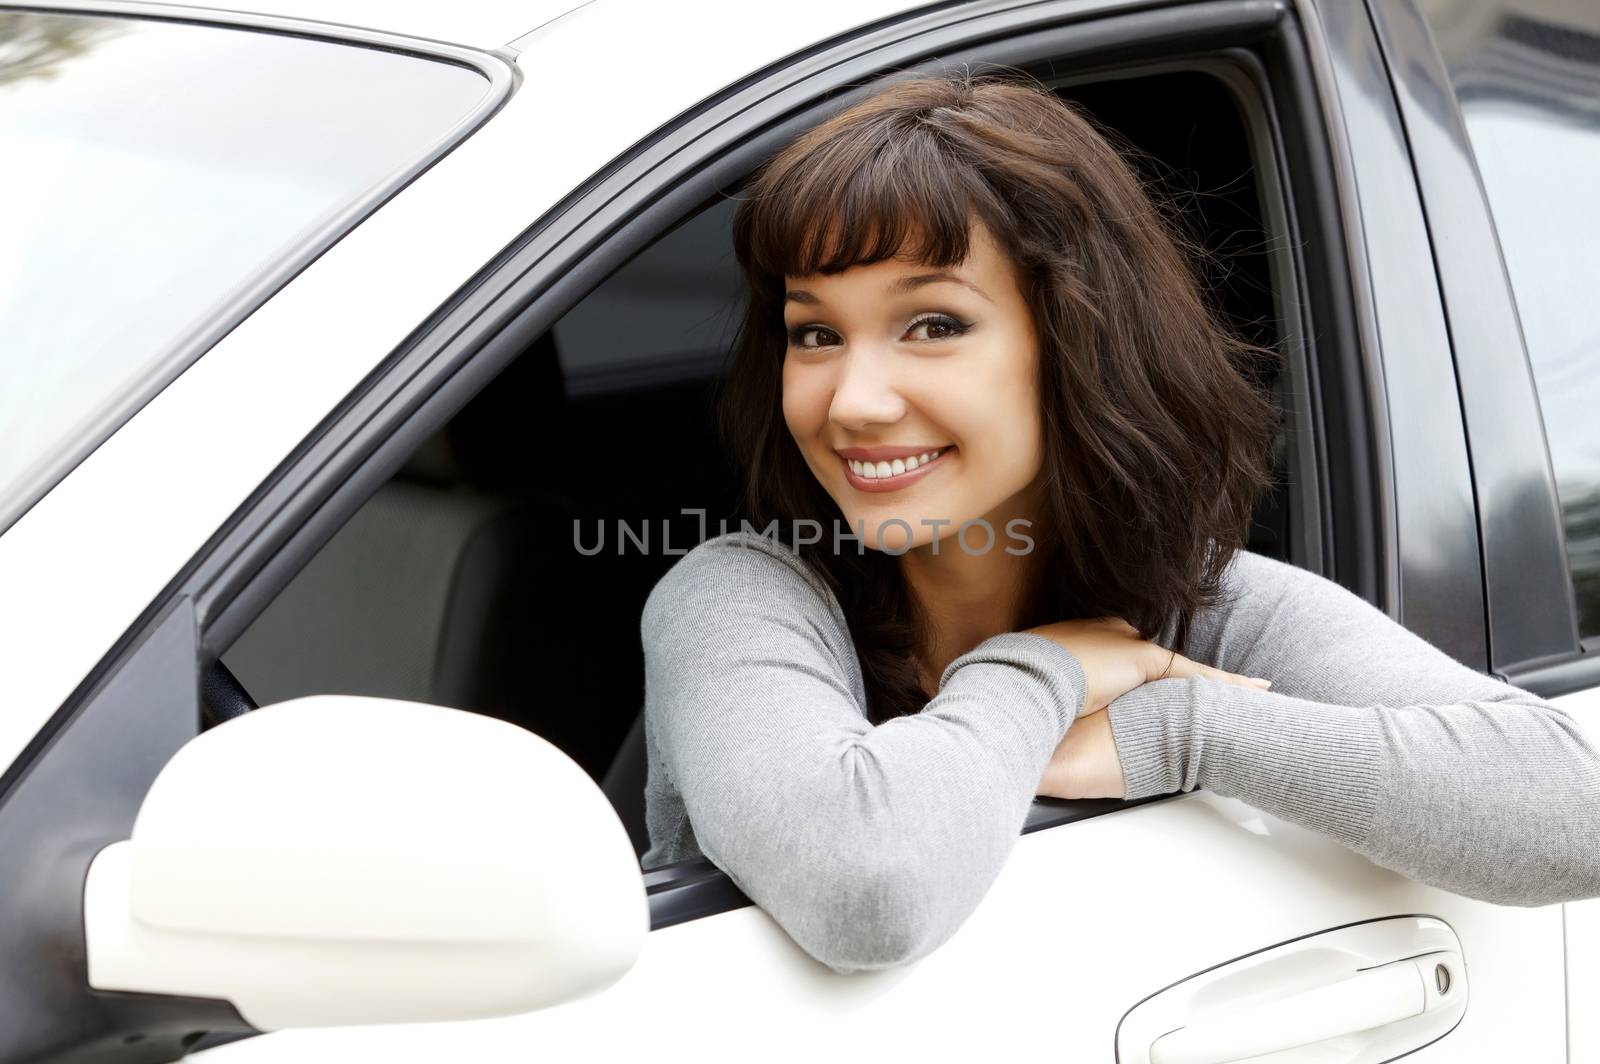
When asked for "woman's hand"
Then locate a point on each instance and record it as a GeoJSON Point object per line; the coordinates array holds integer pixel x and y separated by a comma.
{"type": "Point", "coordinates": [1085, 764]}
{"type": "Point", "coordinates": [1115, 660]}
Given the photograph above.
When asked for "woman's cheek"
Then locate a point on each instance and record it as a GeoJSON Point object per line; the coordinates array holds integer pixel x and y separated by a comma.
{"type": "Point", "coordinates": [793, 404]}
{"type": "Point", "coordinates": [805, 407]}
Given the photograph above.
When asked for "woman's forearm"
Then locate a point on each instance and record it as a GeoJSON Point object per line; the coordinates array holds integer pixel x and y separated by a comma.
{"type": "Point", "coordinates": [1375, 738]}
{"type": "Point", "coordinates": [869, 845]}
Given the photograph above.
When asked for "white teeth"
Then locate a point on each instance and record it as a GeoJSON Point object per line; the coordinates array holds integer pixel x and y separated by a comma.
{"type": "Point", "coordinates": [878, 470]}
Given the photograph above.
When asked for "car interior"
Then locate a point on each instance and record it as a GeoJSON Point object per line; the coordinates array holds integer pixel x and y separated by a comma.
{"type": "Point", "coordinates": [492, 574]}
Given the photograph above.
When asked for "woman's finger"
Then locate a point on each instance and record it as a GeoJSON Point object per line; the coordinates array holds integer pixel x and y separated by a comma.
{"type": "Point", "coordinates": [1183, 666]}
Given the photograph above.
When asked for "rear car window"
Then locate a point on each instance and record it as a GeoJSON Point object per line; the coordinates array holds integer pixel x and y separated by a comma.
{"type": "Point", "coordinates": [162, 178]}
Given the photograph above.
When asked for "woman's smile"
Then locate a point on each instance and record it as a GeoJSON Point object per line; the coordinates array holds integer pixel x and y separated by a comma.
{"type": "Point", "coordinates": [889, 468]}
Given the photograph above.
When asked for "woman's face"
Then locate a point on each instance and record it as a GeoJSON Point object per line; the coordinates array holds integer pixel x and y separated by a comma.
{"type": "Point", "coordinates": [897, 362]}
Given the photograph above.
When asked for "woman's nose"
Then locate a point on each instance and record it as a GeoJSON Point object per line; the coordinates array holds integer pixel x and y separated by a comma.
{"type": "Point", "coordinates": [864, 393]}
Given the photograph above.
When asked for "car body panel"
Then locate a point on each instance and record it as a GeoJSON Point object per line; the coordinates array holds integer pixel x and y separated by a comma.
{"type": "Point", "coordinates": [1532, 618]}
{"type": "Point", "coordinates": [1582, 922]}
{"type": "Point", "coordinates": [483, 24]}
{"type": "Point", "coordinates": [1085, 921]}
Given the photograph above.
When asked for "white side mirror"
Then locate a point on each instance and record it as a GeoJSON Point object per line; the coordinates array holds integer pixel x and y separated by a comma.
{"type": "Point", "coordinates": [347, 860]}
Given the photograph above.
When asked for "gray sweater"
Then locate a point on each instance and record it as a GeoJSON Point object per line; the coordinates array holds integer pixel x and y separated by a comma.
{"type": "Point", "coordinates": [870, 845]}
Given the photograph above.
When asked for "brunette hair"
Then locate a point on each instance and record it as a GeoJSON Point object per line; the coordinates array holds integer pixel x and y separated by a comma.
{"type": "Point", "coordinates": [1156, 445]}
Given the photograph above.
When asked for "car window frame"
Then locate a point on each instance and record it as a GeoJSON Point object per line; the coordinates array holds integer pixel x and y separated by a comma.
{"type": "Point", "coordinates": [692, 889]}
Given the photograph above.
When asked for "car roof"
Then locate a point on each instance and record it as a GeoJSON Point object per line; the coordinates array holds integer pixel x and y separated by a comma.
{"type": "Point", "coordinates": [485, 24]}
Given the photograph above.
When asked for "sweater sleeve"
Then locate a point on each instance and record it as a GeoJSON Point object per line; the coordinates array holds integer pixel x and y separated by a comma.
{"type": "Point", "coordinates": [1373, 737]}
{"type": "Point", "coordinates": [869, 845]}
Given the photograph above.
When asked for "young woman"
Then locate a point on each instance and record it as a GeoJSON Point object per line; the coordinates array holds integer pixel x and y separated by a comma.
{"type": "Point", "coordinates": [999, 456]}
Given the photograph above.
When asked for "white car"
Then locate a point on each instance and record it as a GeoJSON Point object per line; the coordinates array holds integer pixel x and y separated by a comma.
{"type": "Point", "coordinates": [332, 336]}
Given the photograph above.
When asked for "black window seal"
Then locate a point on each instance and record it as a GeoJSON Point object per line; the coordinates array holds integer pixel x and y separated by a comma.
{"type": "Point", "coordinates": [502, 77]}
{"type": "Point", "coordinates": [1555, 675]}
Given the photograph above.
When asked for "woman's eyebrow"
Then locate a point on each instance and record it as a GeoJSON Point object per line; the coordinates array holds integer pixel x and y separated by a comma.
{"type": "Point", "coordinates": [904, 284]}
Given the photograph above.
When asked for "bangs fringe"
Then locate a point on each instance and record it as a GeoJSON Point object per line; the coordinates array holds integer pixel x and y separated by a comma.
{"type": "Point", "coordinates": [854, 202]}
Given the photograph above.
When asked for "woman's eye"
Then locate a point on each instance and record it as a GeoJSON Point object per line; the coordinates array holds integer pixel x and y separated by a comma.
{"type": "Point", "coordinates": [934, 327]}
{"type": "Point", "coordinates": [797, 336]}
{"type": "Point", "coordinates": [939, 326]}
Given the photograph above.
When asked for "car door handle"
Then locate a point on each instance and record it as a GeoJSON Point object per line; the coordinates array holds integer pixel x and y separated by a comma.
{"type": "Point", "coordinates": [1371, 998]}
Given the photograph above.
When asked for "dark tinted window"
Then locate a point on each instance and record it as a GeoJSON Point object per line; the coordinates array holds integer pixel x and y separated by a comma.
{"type": "Point", "coordinates": [1528, 78]}
{"type": "Point", "coordinates": [667, 315]}
{"type": "Point", "coordinates": [156, 175]}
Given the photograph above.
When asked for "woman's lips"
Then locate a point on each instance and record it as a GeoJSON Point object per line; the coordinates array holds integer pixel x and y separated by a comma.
{"type": "Point", "coordinates": [892, 483]}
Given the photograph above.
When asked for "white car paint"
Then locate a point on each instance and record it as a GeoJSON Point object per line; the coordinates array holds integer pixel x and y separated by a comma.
{"type": "Point", "coordinates": [1581, 922]}
{"type": "Point", "coordinates": [1304, 991]}
{"type": "Point", "coordinates": [387, 884]}
{"type": "Point", "coordinates": [483, 24]}
{"type": "Point", "coordinates": [1085, 920]}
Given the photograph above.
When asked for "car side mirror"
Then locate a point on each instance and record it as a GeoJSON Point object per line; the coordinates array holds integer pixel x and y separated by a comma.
{"type": "Point", "coordinates": [339, 859]}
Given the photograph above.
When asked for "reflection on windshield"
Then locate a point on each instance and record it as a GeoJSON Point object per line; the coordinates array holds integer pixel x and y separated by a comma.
{"type": "Point", "coordinates": [35, 46]}
{"type": "Point", "coordinates": [158, 178]}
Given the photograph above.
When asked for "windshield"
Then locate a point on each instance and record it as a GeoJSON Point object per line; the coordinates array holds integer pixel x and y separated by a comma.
{"type": "Point", "coordinates": [161, 179]}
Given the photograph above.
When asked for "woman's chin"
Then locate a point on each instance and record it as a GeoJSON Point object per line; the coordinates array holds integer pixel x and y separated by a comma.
{"type": "Point", "coordinates": [892, 529]}
{"type": "Point", "coordinates": [892, 540]}
{"type": "Point", "coordinates": [892, 535]}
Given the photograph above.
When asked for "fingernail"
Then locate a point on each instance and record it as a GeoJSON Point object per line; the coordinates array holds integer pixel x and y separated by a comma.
{"type": "Point", "coordinates": [1260, 682]}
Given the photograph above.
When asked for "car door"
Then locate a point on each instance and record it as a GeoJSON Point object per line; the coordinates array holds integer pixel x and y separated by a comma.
{"type": "Point", "coordinates": [1086, 923]}
{"type": "Point", "coordinates": [1511, 91]}
{"type": "Point", "coordinates": [1054, 958]}
{"type": "Point", "coordinates": [104, 537]}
